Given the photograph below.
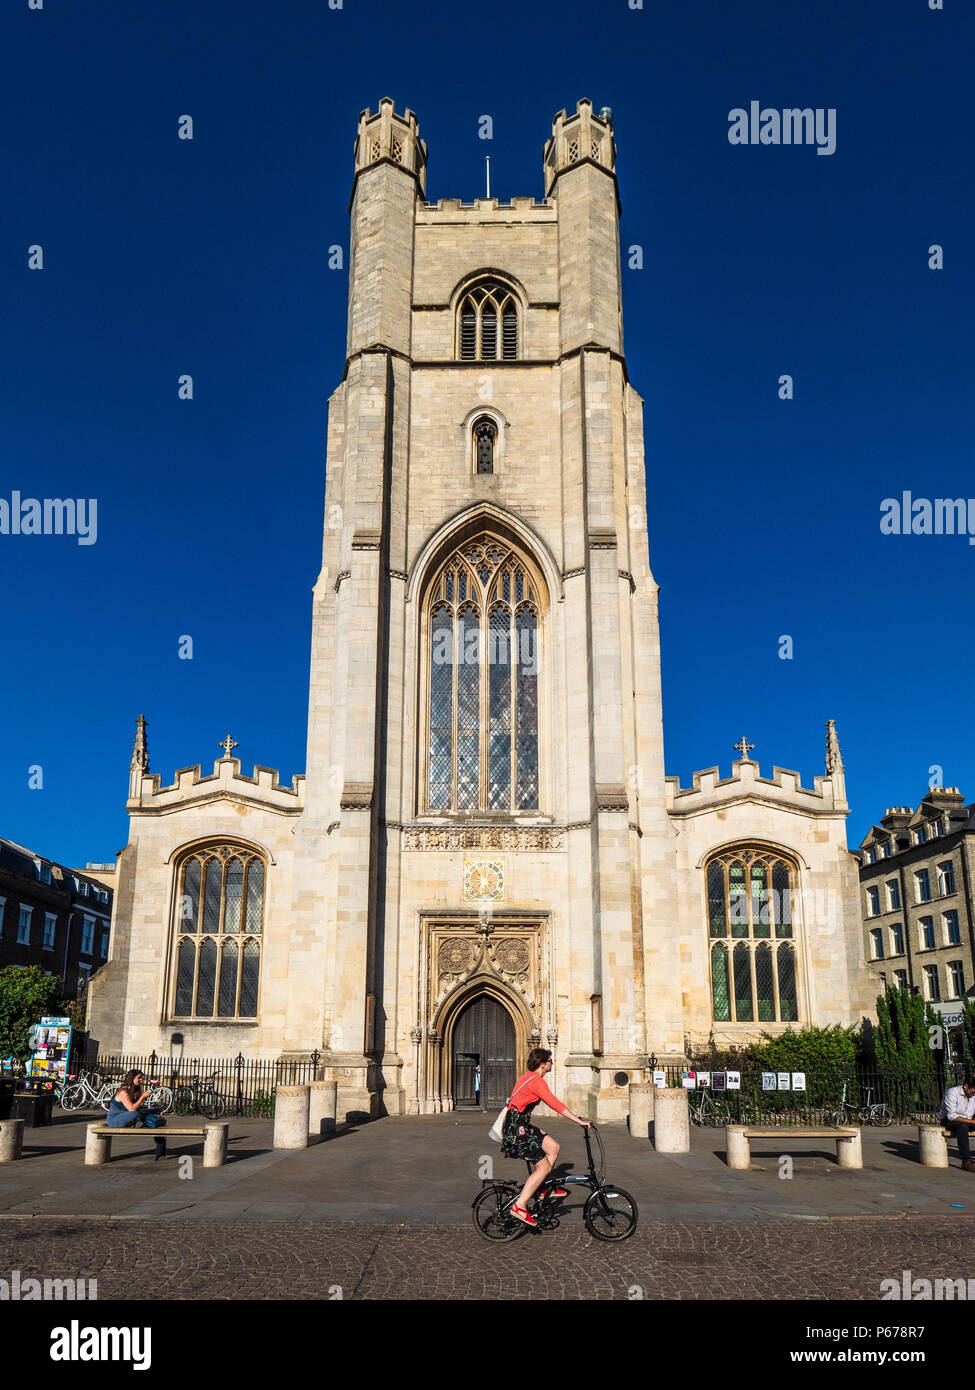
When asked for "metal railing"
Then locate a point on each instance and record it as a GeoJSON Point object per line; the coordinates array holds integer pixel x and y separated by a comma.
{"type": "Point", "coordinates": [246, 1084]}
{"type": "Point", "coordinates": [908, 1094]}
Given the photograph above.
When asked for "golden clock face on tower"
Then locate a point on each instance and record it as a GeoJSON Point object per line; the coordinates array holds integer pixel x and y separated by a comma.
{"type": "Point", "coordinates": [484, 880]}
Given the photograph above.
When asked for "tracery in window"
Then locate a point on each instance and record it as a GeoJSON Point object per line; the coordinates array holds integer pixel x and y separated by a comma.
{"type": "Point", "coordinates": [485, 439]}
{"type": "Point", "coordinates": [749, 896]}
{"type": "Point", "coordinates": [488, 323]}
{"type": "Point", "coordinates": [217, 934]}
{"type": "Point", "coordinates": [483, 632]}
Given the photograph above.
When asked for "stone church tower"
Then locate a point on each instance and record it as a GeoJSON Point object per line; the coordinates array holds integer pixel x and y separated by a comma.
{"type": "Point", "coordinates": [484, 854]}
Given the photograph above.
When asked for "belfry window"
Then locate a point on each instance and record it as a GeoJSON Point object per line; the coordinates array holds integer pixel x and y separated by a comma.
{"type": "Point", "coordinates": [483, 625]}
{"type": "Point", "coordinates": [749, 896]}
{"type": "Point", "coordinates": [488, 324]}
{"type": "Point", "coordinates": [217, 933]}
{"type": "Point", "coordinates": [485, 439]}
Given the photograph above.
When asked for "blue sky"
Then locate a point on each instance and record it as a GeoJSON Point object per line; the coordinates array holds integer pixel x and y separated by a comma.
{"type": "Point", "coordinates": [164, 256]}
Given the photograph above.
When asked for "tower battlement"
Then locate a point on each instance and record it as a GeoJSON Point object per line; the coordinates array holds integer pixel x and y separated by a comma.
{"type": "Point", "coordinates": [226, 781]}
{"type": "Point", "coordinates": [581, 138]}
{"type": "Point", "coordinates": [387, 136]}
{"type": "Point", "coordinates": [709, 787]}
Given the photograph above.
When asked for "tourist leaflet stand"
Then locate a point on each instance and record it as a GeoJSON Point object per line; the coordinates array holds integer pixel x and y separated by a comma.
{"type": "Point", "coordinates": [50, 1048]}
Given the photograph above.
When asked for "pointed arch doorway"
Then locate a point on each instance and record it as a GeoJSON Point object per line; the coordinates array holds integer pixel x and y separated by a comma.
{"type": "Point", "coordinates": [483, 1055]}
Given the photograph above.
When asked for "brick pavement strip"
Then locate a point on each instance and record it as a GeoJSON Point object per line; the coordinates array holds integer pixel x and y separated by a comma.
{"type": "Point", "coordinates": [769, 1260]}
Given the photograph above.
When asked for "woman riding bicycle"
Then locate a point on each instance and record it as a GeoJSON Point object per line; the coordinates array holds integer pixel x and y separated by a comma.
{"type": "Point", "coordinates": [521, 1139]}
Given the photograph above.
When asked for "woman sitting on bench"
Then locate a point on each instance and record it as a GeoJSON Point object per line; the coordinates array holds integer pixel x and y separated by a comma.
{"type": "Point", "coordinates": [125, 1108]}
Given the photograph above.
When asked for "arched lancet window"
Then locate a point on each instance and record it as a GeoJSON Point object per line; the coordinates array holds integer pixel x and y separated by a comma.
{"type": "Point", "coordinates": [488, 323]}
{"type": "Point", "coordinates": [484, 612]}
{"type": "Point", "coordinates": [217, 933]}
{"type": "Point", "coordinates": [749, 894]}
{"type": "Point", "coordinates": [485, 441]}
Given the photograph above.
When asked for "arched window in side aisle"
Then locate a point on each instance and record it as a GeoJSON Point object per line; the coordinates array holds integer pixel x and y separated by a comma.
{"type": "Point", "coordinates": [488, 323]}
{"type": "Point", "coordinates": [217, 933]}
{"type": "Point", "coordinates": [750, 895]}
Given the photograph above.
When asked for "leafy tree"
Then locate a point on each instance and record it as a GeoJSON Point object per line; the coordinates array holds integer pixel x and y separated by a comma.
{"type": "Point", "coordinates": [25, 995]}
{"type": "Point", "coordinates": [968, 1024]}
{"type": "Point", "coordinates": [903, 1037]}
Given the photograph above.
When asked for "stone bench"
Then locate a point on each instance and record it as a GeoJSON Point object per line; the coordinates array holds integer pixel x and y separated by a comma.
{"type": "Point", "coordinates": [11, 1140]}
{"type": "Point", "coordinates": [932, 1143]}
{"type": "Point", "coordinates": [98, 1145]}
{"type": "Point", "coordinates": [849, 1150]}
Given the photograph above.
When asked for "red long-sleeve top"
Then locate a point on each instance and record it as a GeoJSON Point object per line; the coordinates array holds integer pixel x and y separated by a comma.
{"type": "Point", "coordinates": [529, 1090]}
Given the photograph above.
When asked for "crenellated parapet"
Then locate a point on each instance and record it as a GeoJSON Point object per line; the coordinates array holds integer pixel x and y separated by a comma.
{"type": "Point", "coordinates": [385, 135]}
{"type": "Point", "coordinates": [582, 138]}
{"type": "Point", "coordinates": [226, 783]}
{"type": "Point", "coordinates": [784, 788]}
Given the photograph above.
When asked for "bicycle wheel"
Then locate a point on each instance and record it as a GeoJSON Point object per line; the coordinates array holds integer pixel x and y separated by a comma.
{"type": "Point", "coordinates": [695, 1113]}
{"type": "Point", "coordinates": [837, 1117]}
{"type": "Point", "coordinates": [720, 1115]}
{"type": "Point", "coordinates": [491, 1219]}
{"type": "Point", "coordinates": [184, 1101]}
{"type": "Point", "coordinates": [213, 1105]}
{"type": "Point", "coordinates": [881, 1115]}
{"type": "Point", "coordinates": [72, 1097]}
{"type": "Point", "coordinates": [161, 1096]}
{"type": "Point", "coordinates": [610, 1214]}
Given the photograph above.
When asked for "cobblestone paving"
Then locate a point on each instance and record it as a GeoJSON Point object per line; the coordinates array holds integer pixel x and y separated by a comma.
{"type": "Point", "coordinates": [794, 1259]}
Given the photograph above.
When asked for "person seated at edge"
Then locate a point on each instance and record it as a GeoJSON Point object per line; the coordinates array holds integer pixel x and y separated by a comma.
{"type": "Point", "coordinates": [958, 1114]}
{"type": "Point", "coordinates": [521, 1139]}
{"type": "Point", "coordinates": [129, 1099]}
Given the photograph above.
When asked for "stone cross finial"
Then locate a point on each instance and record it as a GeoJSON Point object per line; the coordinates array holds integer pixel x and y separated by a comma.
{"type": "Point", "coordinates": [744, 748]}
{"type": "Point", "coordinates": [227, 744]}
{"type": "Point", "coordinates": [140, 749]}
{"type": "Point", "coordinates": [834, 758]}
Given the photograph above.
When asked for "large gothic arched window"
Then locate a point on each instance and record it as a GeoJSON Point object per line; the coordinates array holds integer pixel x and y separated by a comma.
{"type": "Point", "coordinates": [487, 329]}
{"type": "Point", "coordinates": [217, 933]}
{"type": "Point", "coordinates": [750, 895]}
{"type": "Point", "coordinates": [483, 615]}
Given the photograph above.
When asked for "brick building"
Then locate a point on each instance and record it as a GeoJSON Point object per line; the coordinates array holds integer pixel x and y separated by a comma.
{"type": "Point", "coordinates": [54, 917]}
{"type": "Point", "coordinates": [916, 877]}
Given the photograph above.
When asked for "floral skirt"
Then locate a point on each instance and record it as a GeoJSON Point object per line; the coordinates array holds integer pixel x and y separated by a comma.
{"type": "Point", "coordinates": [521, 1139]}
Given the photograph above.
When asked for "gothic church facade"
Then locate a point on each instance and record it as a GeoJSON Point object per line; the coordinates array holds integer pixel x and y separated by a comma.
{"type": "Point", "coordinates": [484, 853]}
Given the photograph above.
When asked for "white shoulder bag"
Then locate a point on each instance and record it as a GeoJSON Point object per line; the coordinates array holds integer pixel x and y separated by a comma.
{"type": "Point", "coordinates": [496, 1130]}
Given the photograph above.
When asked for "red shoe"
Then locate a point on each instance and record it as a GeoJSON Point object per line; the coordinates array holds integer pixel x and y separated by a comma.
{"type": "Point", "coordinates": [558, 1192]}
{"type": "Point", "coordinates": [520, 1214]}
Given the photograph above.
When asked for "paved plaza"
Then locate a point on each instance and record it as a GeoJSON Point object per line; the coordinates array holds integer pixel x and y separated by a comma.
{"type": "Point", "coordinates": [383, 1211]}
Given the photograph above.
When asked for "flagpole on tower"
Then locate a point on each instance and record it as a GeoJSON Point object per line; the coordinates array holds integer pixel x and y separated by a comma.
{"type": "Point", "coordinates": [487, 161]}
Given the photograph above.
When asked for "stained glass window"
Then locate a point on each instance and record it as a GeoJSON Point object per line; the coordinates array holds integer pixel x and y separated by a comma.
{"type": "Point", "coordinates": [484, 630]}
{"type": "Point", "coordinates": [717, 919]}
{"type": "Point", "coordinates": [788, 1004]}
{"type": "Point", "coordinates": [719, 984]}
{"type": "Point", "coordinates": [743, 983]}
{"type": "Point", "coordinates": [751, 890]}
{"type": "Point", "coordinates": [212, 967]}
{"type": "Point", "coordinates": [764, 984]}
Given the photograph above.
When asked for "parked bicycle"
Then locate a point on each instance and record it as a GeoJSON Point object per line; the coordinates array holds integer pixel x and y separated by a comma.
{"type": "Point", "coordinates": [867, 1113]}
{"type": "Point", "coordinates": [86, 1091]}
{"type": "Point", "coordinates": [704, 1109]}
{"type": "Point", "coordinates": [609, 1212]}
{"type": "Point", "coordinates": [193, 1096]}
